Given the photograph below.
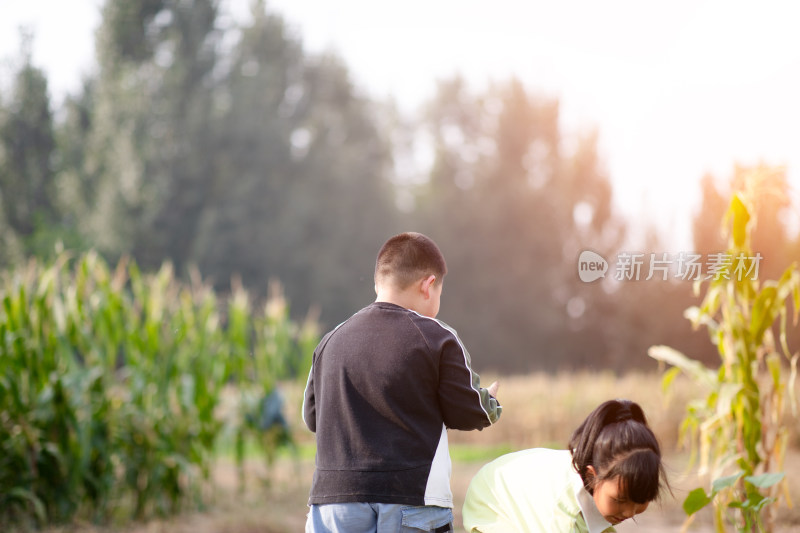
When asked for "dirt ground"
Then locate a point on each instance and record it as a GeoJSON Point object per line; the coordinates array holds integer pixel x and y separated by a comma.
{"type": "Point", "coordinates": [280, 506]}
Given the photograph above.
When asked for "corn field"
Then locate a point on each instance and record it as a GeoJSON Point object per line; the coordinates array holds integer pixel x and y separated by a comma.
{"type": "Point", "coordinates": [112, 385]}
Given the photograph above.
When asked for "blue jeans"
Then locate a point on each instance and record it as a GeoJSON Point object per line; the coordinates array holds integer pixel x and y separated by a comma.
{"type": "Point", "coordinates": [378, 518]}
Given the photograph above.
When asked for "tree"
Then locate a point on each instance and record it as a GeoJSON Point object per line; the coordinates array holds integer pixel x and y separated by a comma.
{"type": "Point", "coordinates": [149, 144]}
{"type": "Point", "coordinates": [77, 185]}
{"type": "Point", "coordinates": [301, 175]}
{"type": "Point", "coordinates": [234, 150]}
{"type": "Point", "coordinates": [27, 146]}
{"type": "Point", "coordinates": [512, 213]}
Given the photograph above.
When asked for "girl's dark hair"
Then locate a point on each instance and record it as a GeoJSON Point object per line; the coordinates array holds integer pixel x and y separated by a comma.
{"type": "Point", "coordinates": [617, 442]}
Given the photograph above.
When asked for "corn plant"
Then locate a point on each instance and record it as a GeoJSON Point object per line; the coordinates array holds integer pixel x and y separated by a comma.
{"type": "Point", "coordinates": [262, 350]}
{"type": "Point", "coordinates": [740, 426]}
{"type": "Point", "coordinates": [111, 382]}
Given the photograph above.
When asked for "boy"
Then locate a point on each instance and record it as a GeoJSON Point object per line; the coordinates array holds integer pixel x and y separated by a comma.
{"type": "Point", "coordinates": [384, 386]}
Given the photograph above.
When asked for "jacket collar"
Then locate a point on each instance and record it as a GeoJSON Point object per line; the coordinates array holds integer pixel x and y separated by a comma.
{"type": "Point", "coordinates": [594, 520]}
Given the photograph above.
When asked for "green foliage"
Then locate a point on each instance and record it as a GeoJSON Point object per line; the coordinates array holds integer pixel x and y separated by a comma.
{"type": "Point", "coordinates": [30, 221]}
{"type": "Point", "coordinates": [741, 424]}
{"type": "Point", "coordinates": [750, 507]}
{"type": "Point", "coordinates": [227, 146]}
{"type": "Point", "coordinates": [113, 385]}
{"type": "Point", "coordinates": [221, 142]}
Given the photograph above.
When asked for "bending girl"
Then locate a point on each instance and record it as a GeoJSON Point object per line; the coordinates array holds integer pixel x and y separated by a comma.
{"type": "Point", "coordinates": [611, 472]}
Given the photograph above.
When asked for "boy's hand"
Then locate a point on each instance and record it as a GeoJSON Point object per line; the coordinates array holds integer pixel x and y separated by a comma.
{"type": "Point", "coordinates": [493, 389]}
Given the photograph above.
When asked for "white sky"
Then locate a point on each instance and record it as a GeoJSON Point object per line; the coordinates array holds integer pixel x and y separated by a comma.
{"type": "Point", "coordinates": [675, 89]}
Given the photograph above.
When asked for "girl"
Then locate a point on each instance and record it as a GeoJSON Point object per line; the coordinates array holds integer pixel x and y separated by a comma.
{"type": "Point", "coordinates": [611, 472]}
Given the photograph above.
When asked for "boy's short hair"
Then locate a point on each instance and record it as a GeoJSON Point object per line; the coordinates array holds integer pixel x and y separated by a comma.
{"type": "Point", "coordinates": [409, 257]}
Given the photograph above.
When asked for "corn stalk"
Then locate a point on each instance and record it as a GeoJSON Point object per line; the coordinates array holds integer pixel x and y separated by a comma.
{"type": "Point", "coordinates": [739, 430]}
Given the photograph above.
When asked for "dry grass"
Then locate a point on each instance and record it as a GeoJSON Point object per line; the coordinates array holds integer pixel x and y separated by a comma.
{"type": "Point", "coordinates": [538, 410]}
{"type": "Point", "coordinates": [544, 409]}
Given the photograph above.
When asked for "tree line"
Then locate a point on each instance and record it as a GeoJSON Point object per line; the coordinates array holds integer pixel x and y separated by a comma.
{"type": "Point", "coordinates": [230, 148]}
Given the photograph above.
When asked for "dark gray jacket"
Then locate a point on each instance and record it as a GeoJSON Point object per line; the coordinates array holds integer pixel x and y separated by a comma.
{"type": "Point", "coordinates": [383, 387]}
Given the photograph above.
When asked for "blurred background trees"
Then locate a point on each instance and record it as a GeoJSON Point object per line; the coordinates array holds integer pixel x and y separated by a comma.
{"type": "Point", "coordinates": [27, 175]}
{"type": "Point", "coordinates": [227, 147]}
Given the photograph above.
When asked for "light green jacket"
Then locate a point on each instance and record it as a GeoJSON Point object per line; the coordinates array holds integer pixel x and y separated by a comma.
{"type": "Point", "coordinates": [531, 491]}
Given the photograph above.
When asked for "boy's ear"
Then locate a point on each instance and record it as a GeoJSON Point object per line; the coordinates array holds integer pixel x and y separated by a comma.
{"type": "Point", "coordinates": [426, 285]}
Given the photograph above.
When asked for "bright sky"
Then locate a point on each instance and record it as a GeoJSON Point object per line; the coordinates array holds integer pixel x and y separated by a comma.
{"type": "Point", "coordinates": [675, 89]}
